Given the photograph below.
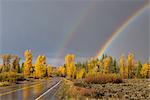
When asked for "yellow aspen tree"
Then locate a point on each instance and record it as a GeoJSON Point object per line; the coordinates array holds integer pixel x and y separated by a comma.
{"type": "Point", "coordinates": [27, 63]}
{"type": "Point", "coordinates": [131, 65]}
{"type": "Point", "coordinates": [149, 70]}
{"type": "Point", "coordinates": [122, 66]}
{"type": "Point", "coordinates": [106, 65]}
{"type": "Point", "coordinates": [70, 65]}
{"type": "Point", "coordinates": [92, 66]}
{"type": "Point", "coordinates": [49, 70]}
{"type": "Point", "coordinates": [73, 69]}
{"type": "Point", "coordinates": [145, 71]}
{"type": "Point", "coordinates": [61, 71]}
{"type": "Point", "coordinates": [40, 66]}
{"type": "Point", "coordinates": [80, 73]}
{"type": "Point", "coordinates": [16, 65]}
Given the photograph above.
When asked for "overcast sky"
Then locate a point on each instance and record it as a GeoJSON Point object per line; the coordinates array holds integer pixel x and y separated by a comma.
{"type": "Point", "coordinates": [46, 26]}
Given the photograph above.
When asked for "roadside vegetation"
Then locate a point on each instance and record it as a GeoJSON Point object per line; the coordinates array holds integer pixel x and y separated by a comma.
{"type": "Point", "coordinates": [91, 78]}
{"type": "Point", "coordinates": [104, 78]}
{"type": "Point", "coordinates": [12, 72]}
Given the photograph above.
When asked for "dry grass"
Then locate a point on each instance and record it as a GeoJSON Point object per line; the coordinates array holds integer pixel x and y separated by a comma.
{"type": "Point", "coordinates": [4, 84]}
{"type": "Point", "coordinates": [103, 79]}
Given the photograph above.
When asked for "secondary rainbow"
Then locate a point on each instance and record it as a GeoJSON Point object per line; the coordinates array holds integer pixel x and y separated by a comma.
{"type": "Point", "coordinates": [71, 33]}
{"type": "Point", "coordinates": [119, 30]}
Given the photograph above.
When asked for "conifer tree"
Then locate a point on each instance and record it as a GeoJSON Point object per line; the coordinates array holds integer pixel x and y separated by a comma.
{"type": "Point", "coordinates": [138, 70]}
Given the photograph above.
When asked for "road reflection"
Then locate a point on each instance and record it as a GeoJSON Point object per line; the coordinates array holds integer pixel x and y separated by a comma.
{"type": "Point", "coordinates": [27, 92]}
{"type": "Point", "coordinates": [37, 89]}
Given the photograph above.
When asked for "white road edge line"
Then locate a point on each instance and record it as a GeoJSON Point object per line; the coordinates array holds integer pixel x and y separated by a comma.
{"type": "Point", "coordinates": [47, 91]}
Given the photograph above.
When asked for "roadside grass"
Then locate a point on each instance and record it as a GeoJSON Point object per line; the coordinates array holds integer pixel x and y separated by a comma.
{"type": "Point", "coordinates": [128, 89]}
{"type": "Point", "coordinates": [68, 91]}
{"type": "Point", "coordinates": [9, 77]}
{"type": "Point", "coordinates": [104, 86]}
{"type": "Point", "coordinates": [2, 84]}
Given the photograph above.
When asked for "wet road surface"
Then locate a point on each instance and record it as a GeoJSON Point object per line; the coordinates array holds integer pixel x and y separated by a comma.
{"type": "Point", "coordinates": [44, 90]}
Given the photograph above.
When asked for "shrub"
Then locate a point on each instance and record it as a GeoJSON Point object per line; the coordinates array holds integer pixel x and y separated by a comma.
{"type": "Point", "coordinates": [81, 84]}
{"type": "Point", "coordinates": [4, 84]}
{"type": "Point", "coordinates": [10, 77]}
{"type": "Point", "coordinates": [103, 79]}
{"type": "Point", "coordinates": [87, 92]}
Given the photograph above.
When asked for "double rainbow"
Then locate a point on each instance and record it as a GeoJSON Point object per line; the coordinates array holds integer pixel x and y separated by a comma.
{"type": "Point", "coordinates": [120, 30]}
{"type": "Point", "coordinates": [71, 33]}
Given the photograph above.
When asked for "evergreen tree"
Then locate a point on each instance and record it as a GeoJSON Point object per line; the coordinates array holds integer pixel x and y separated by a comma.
{"type": "Point", "coordinates": [114, 67]}
{"type": "Point", "coordinates": [138, 70]}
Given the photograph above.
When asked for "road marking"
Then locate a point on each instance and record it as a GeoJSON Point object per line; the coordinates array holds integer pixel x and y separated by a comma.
{"type": "Point", "coordinates": [47, 91]}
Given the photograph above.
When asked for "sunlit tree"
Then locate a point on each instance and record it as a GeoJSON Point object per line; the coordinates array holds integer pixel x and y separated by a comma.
{"type": "Point", "coordinates": [10, 62]}
{"type": "Point", "coordinates": [93, 66]}
{"type": "Point", "coordinates": [61, 71]}
{"type": "Point", "coordinates": [16, 65]}
{"type": "Point", "coordinates": [28, 63]}
{"type": "Point", "coordinates": [106, 65]}
{"type": "Point", "coordinates": [122, 66]}
{"type": "Point", "coordinates": [131, 65]}
{"type": "Point", "coordinates": [49, 70]}
{"type": "Point", "coordinates": [40, 67]}
{"type": "Point", "coordinates": [70, 65]}
{"type": "Point", "coordinates": [80, 73]}
{"type": "Point", "coordinates": [145, 71]}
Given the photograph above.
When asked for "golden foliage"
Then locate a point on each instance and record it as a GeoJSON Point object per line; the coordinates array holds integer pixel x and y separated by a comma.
{"type": "Point", "coordinates": [80, 73]}
{"type": "Point", "coordinates": [40, 66]}
{"type": "Point", "coordinates": [28, 62]}
{"type": "Point", "coordinates": [106, 64]}
{"type": "Point", "coordinates": [70, 65]}
{"type": "Point", "coordinates": [61, 71]}
{"type": "Point", "coordinates": [123, 68]}
{"type": "Point", "coordinates": [131, 65]}
{"type": "Point", "coordinates": [49, 70]}
{"type": "Point", "coordinates": [145, 70]}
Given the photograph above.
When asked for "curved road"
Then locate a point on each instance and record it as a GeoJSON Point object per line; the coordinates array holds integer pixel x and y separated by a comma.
{"type": "Point", "coordinates": [44, 90]}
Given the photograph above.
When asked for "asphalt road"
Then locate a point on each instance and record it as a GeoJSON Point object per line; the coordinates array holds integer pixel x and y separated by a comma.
{"type": "Point", "coordinates": [44, 90]}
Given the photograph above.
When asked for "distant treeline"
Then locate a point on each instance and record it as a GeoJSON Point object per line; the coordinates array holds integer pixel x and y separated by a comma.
{"type": "Point", "coordinates": [124, 68]}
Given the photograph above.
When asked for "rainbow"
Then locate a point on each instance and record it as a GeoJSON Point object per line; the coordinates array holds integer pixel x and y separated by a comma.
{"type": "Point", "coordinates": [119, 30]}
{"type": "Point", "coordinates": [71, 33]}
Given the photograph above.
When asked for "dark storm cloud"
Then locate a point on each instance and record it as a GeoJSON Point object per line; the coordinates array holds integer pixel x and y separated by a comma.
{"type": "Point", "coordinates": [42, 25]}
